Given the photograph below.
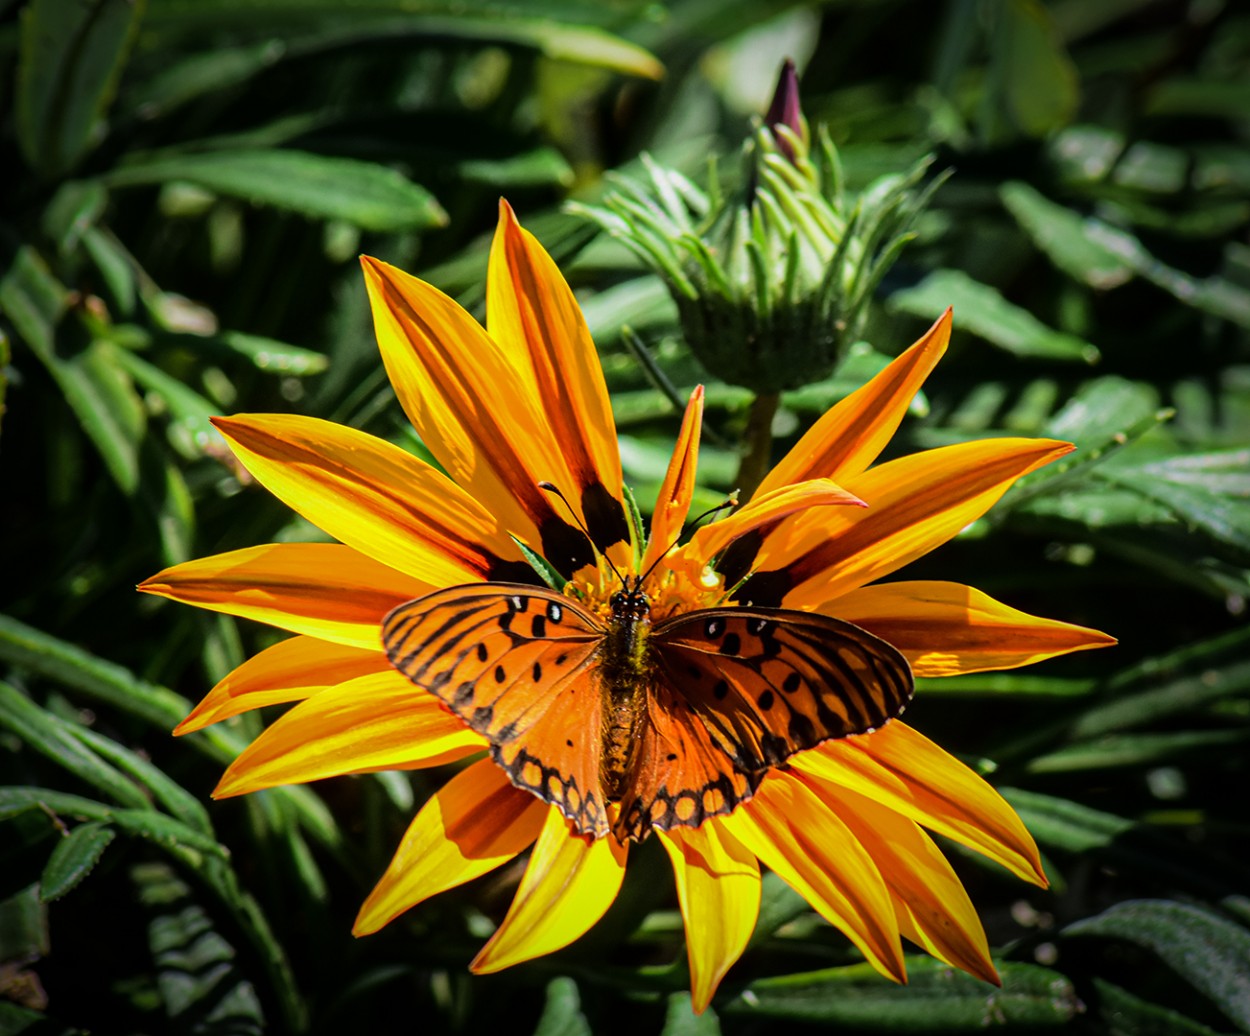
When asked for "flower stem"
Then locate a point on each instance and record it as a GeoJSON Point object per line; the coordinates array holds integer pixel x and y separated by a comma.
{"type": "Point", "coordinates": [757, 442]}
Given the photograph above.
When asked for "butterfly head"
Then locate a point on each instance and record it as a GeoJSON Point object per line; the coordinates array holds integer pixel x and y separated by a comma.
{"type": "Point", "coordinates": [630, 603]}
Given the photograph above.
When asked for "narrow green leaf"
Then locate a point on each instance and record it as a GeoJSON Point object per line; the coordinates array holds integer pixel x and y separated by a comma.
{"type": "Point", "coordinates": [61, 804]}
{"type": "Point", "coordinates": [322, 187]}
{"type": "Point", "coordinates": [1122, 1012]}
{"type": "Point", "coordinates": [165, 791]}
{"type": "Point", "coordinates": [73, 211]}
{"type": "Point", "coordinates": [53, 738]}
{"type": "Point", "coordinates": [70, 59]}
{"type": "Point", "coordinates": [189, 410]}
{"type": "Point", "coordinates": [680, 1019]}
{"type": "Point", "coordinates": [165, 831]}
{"type": "Point", "coordinates": [29, 648]}
{"type": "Point", "coordinates": [1138, 750]}
{"type": "Point", "coordinates": [1040, 86]}
{"type": "Point", "coordinates": [1187, 692]}
{"type": "Point", "coordinates": [981, 310]}
{"type": "Point", "coordinates": [1206, 950]}
{"type": "Point", "coordinates": [266, 354]}
{"type": "Point", "coordinates": [937, 998]}
{"type": "Point", "coordinates": [562, 1013]}
{"type": "Point", "coordinates": [1063, 235]}
{"type": "Point", "coordinates": [74, 857]}
{"type": "Point", "coordinates": [1223, 519]}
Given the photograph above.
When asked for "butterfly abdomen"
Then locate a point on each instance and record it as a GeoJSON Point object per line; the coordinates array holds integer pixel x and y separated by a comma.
{"type": "Point", "coordinates": [624, 674]}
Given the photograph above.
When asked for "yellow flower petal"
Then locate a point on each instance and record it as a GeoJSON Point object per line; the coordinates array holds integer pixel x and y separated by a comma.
{"type": "Point", "coordinates": [469, 403]}
{"type": "Point", "coordinates": [673, 503]}
{"type": "Point", "coordinates": [815, 853]}
{"type": "Point", "coordinates": [534, 318]}
{"type": "Point", "coordinates": [947, 628]}
{"type": "Point", "coordinates": [765, 512]}
{"type": "Point", "coordinates": [915, 504]}
{"type": "Point", "coordinates": [325, 590]}
{"type": "Point", "coordinates": [718, 888]}
{"type": "Point", "coordinates": [569, 884]}
{"type": "Point", "coordinates": [850, 436]}
{"type": "Point", "coordinates": [374, 497]}
{"type": "Point", "coordinates": [375, 722]}
{"type": "Point", "coordinates": [476, 822]}
{"type": "Point", "coordinates": [930, 903]}
{"type": "Point", "coordinates": [292, 670]}
{"type": "Point", "coordinates": [905, 771]}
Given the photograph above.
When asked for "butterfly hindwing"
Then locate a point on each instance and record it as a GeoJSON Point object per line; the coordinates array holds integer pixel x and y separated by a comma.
{"type": "Point", "coordinates": [678, 775]}
{"type": "Point", "coordinates": [738, 690]}
{"type": "Point", "coordinates": [514, 662]}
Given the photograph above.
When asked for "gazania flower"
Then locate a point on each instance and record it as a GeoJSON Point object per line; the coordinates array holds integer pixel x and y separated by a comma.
{"type": "Point", "coordinates": [406, 654]}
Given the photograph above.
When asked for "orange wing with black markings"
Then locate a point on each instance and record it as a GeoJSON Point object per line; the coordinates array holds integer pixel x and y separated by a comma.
{"type": "Point", "coordinates": [516, 663]}
{"type": "Point", "coordinates": [739, 690]}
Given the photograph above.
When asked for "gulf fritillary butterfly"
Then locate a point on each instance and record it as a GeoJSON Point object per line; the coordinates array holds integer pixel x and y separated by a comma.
{"type": "Point", "coordinates": [677, 721]}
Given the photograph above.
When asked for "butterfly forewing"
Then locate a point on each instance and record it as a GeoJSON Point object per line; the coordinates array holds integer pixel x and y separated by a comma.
{"type": "Point", "coordinates": [741, 689]}
{"type": "Point", "coordinates": [515, 663]}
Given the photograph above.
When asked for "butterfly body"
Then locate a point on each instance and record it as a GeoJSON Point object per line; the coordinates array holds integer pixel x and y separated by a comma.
{"type": "Point", "coordinates": [673, 722]}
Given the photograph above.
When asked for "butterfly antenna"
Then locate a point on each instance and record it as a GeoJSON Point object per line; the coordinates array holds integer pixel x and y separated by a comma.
{"type": "Point", "coordinates": [551, 487]}
{"type": "Point", "coordinates": [729, 501]}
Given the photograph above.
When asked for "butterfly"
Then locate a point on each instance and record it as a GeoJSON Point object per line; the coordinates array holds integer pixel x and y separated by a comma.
{"type": "Point", "coordinates": [675, 721]}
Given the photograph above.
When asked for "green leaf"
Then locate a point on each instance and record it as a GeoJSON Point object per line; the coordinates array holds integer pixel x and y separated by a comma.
{"type": "Point", "coordinates": [1035, 78]}
{"type": "Point", "coordinates": [165, 831]}
{"type": "Point", "coordinates": [55, 739]}
{"type": "Point", "coordinates": [364, 194]}
{"type": "Point", "coordinates": [680, 1019]}
{"type": "Point", "coordinates": [1139, 750]}
{"type": "Point", "coordinates": [1223, 519]}
{"type": "Point", "coordinates": [96, 389]}
{"type": "Point", "coordinates": [937, 998]}
{"type": "Point", "coordinates": [1124, 1013]}
{"type": "Point", "coordinates": [1065, 238]}
{"type": "Point", "coordinates": [166, 792]}
{"type": "Point", "coordinates": [74, 857]}
{"type": "Point", "coordinates": [1206, 950]}
{"type": "Point", "coordinates": [71, 56]}
{"type": "Point", "coordinates": [197, 969]}
{"type": "Point", "coordinates": [981, 310]}
{"type": "Point", "coordinates": [1201, 674]}
{"type": "Point", "coordinates": [266, 354]}
{"type": "Point", "coordinates": [29, 648]}
{"type": "Point", "coordinates": [562, 1013]}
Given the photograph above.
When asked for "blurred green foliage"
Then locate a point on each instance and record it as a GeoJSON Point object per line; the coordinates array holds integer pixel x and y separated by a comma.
{"type": "Point", "coordinates": [189, 182]}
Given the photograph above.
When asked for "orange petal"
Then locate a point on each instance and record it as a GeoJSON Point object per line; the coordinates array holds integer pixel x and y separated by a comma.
{"type": "Point", "coordinates": [569, 884]}
{"type": "Point", "coordinates": [930, 904]}
{"type": "Point", "coordinates": [765, 512]}
{"type": "Point", "coordinates": [908, 773]}
{"type": "Point", "coordinates": [326, 590]}
{"type": "Point", "coordinates": [915, 504]}
{"type": "Point", "coordinates": [534, 318]}
{"type": "Point", "coordinates": [473, 824]}
{"type": "Point", "coordinates": [850, 436]}
{"type": "Point", "coordinates": [373, 496]}
{"type": "Point", "coordinates": [718, 888]}
{"type": "Point", "coordinates": [471, 406]}
{"type": "Point", "coordinates": [375, 722]}
{"type": "Point", "coordinates": [815, 853]}
{"type": "Point", "coordinates": [673, 503]}
{"type": "Point", "coordinates": [947, 628]}
{"type": "Point", "coordinates": [292, 670]}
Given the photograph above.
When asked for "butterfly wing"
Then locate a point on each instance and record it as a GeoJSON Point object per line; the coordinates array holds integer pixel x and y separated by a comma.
{"type": "Point", "coordinates": [738, 690]}
{"type": "Point", "coordinates": [517, 664]}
